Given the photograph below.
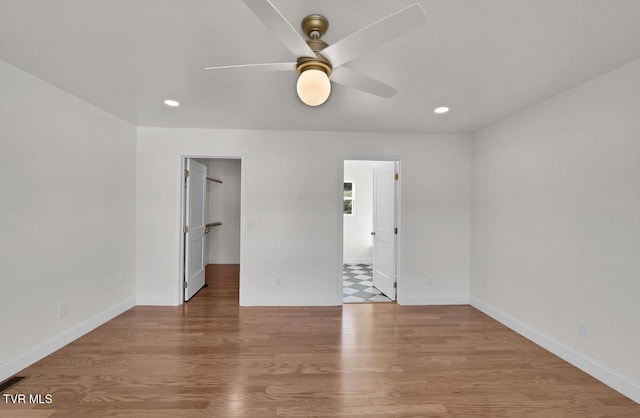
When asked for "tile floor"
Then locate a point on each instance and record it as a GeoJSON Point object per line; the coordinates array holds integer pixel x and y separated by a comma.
{"type": "Point", "coordinates": [358, 285]}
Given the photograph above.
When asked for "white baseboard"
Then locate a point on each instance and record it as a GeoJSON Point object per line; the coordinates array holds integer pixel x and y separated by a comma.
{"type": "Point", "coordinates": [155, 301]}
{"type": "Point", "coordinates": [613, 378]}
{"type": "Point", "coordinates": [13, 366]}
{"type": "Point", "coordinates": [434, 300]}
{"type": "Point", "coordinates": [290, 301]}
{"type": "Point", "coordinates": [223, 261]}
{"type": "Point", "coordinates": [357, 262]}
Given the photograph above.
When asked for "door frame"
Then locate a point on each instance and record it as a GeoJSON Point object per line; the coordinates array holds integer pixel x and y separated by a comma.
{"type": "Point", "coordinates": [180, 221]}
{"type": "Point", "coordinates": [400, 296]}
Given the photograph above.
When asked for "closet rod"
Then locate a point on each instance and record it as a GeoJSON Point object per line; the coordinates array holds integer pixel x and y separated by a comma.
{"type": "Point", "coordinates": [213, 224]}
{"type": "Point", "coordinates": [212, 179]}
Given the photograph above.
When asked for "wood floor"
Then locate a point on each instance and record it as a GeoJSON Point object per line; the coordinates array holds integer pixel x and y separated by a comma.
{"type": "Point", "coordinates": [210, 358]}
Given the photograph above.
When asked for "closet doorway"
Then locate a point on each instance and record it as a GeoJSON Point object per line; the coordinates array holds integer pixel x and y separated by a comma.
{"type": "Point", "coordinates": [211, 218]}
{"type": "Point", "coordinates": [370, 239]}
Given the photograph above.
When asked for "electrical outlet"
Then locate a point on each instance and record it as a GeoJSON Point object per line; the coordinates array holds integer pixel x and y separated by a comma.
{"type": "Point", "coordinates": [62, 310]}
{"type": "Point", "coordinates": [584, 329]}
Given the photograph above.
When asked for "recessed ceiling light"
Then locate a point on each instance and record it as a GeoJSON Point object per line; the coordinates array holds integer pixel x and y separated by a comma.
{"type": "Point", "coordinates": [440, 110]}
{"type": "Point", "coordinates": [172, 103]}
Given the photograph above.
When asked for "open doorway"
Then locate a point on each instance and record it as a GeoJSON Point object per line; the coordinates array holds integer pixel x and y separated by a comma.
{"type": "Point", "coordinates": [370, 231]}
{"type": "Point", "coordinates": [212, 204]}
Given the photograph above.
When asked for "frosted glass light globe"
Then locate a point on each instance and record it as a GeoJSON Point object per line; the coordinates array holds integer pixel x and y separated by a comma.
{"type": "Point", "coordinates": [313, 87]}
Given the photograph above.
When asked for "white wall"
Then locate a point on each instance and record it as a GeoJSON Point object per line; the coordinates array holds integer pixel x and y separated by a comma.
{"type": "Point", "coordinates": [223, 242]}
{"type": "Point", "coordinates": [289, 229]}
{"type": "Point", "coordinates": [556, 224]}
{"type": "Point", "coordinates": [358, 226]}
{"type": "Point", "coordinates": [67, 213]}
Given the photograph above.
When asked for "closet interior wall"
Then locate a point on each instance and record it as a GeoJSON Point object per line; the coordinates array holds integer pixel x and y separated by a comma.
{"type": "Point", "coordinates": [222, 245]}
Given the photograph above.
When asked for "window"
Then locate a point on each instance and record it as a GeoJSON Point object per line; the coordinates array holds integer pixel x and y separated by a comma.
{"type": "Point", "coordinates": [347, 205]}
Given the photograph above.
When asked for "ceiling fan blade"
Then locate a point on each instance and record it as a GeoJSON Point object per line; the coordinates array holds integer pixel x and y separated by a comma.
{"type": "Point", "coordinates": [245, 68]}
{"type": "Point", "coordinates": [283, 30]}
{"type": "Point", "coordinates": [375, 35]}
{"type": "Point", "coordinates": [348, 77]}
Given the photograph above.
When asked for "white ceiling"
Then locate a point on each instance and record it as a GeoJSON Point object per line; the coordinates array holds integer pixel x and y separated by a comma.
{"type": "Point", "coordinates": [483, 58]}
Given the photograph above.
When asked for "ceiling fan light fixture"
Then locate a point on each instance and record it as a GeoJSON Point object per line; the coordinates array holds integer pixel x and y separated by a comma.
{"type": "Point", "coordinates": [313, 87]}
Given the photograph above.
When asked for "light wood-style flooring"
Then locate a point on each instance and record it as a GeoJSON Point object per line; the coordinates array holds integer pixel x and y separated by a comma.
{"type": "Point", "coordinates": [211, 358]}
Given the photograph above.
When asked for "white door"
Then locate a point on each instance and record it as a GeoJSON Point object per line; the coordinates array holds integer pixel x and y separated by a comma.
{"type": "Point", "coordinates": [194, 220]}
{"type": "Point", "coordinates": [384, 236]}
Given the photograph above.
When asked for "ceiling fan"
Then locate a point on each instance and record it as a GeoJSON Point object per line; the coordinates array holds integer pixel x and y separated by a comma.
{"type": "Point", "coordinates": [317, 63]}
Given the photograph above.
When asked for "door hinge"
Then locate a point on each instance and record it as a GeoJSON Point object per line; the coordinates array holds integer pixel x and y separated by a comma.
{"type": "Point", "coordinates": [395, 230]}
{"type": "Point", "coordinates": [186, 173]}
{"type": "Point", "coordinates": [185, 229]}
{"type": "Point", "coordinates": [395, 176]}
{"type": "Point", "coordinates": [395, 285]}
{"type": "Point", "coordinates": [184, 284]}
